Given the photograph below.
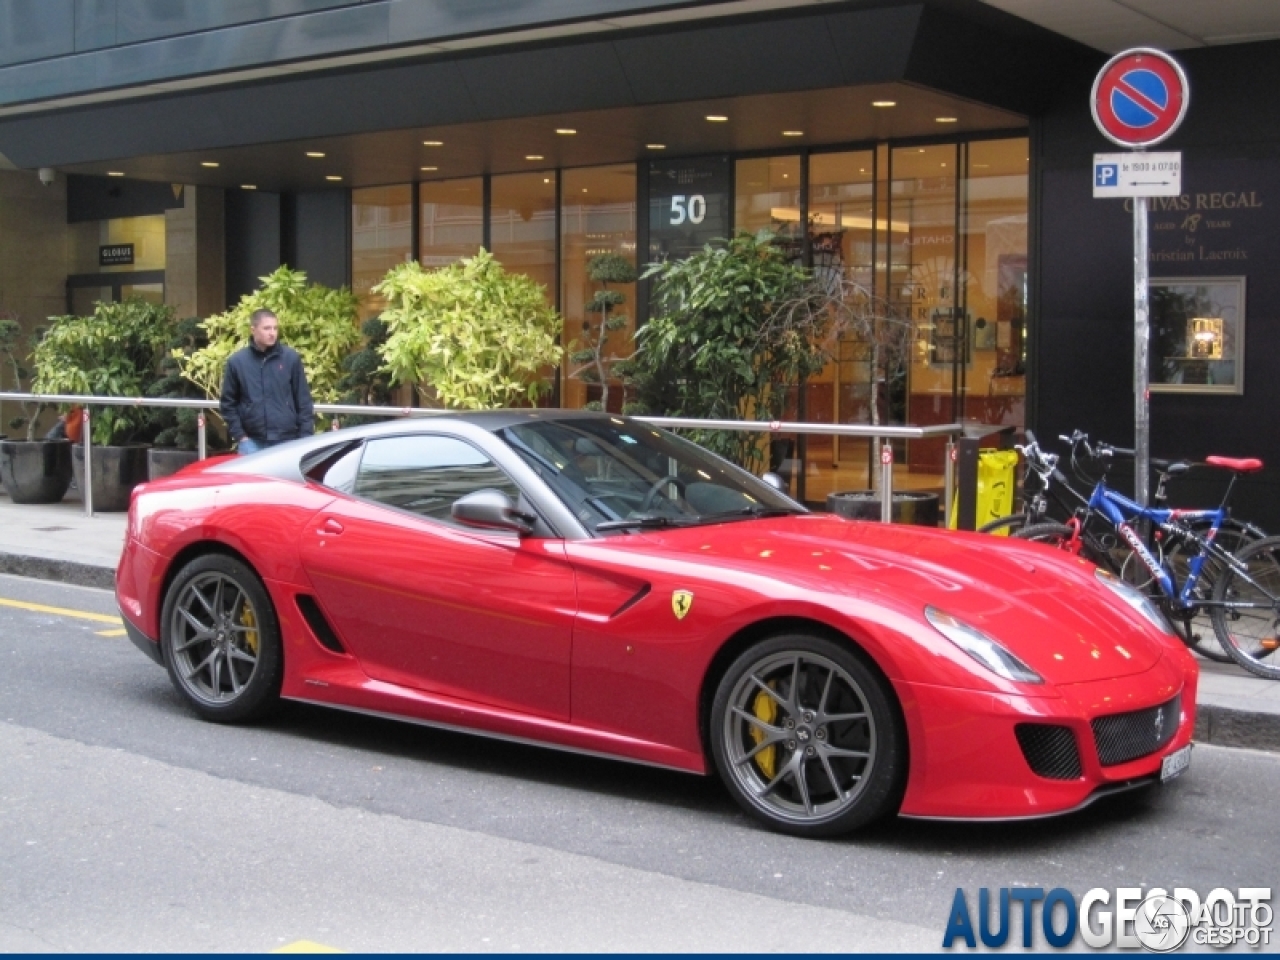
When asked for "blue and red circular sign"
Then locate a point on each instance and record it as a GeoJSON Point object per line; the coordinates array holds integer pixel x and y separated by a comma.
{"type": "Point", "coordinates": [1139, 97]}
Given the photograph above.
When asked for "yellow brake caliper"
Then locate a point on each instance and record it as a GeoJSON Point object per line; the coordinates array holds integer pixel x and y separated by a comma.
{"type": "Point", "coordinates": [251, 636]}
{"type": "Point", "coordinates": [766, 710]}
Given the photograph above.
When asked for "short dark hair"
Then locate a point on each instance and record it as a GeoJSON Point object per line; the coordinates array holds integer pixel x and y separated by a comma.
{"type": "Point", "coordinates": [260, 315]}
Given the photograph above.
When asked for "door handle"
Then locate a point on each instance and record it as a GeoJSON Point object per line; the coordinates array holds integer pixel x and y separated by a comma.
{"type": "Point", "coordinates": [330, 526]}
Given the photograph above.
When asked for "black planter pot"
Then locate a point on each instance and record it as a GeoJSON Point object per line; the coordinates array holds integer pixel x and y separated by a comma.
{"type": "Point", "coordinates": [909, 506]}
{"type": "Point", "coordinates": [163, 462]}
{"type": "Point", "coordinates": [35, 471]}
{"type": "Point", "coordinates": [116, 471]}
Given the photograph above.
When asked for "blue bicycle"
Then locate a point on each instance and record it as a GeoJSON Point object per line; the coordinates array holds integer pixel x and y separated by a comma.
{"type": "Point", "coordinates": [1185, 558]}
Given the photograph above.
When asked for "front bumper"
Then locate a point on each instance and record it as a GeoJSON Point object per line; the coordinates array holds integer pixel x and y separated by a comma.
{"type": "Point", "coordinates": [966, 761]}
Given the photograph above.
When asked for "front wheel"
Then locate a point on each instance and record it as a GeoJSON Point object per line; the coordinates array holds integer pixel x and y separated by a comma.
{"type": "Point", "coordinates": [221, 641]}
{"type": "Point", "coordinates": [1246, 608]}
{"type": "Point", "coordinates": [806, 737]}
{"type": "Point", "coordinates": [1062, 537]}
{"type": "Point", "coordinates": [1005, 526]}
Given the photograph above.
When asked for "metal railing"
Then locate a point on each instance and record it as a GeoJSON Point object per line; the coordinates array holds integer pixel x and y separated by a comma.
{"type": "Point", "coordinates": [878, 434]}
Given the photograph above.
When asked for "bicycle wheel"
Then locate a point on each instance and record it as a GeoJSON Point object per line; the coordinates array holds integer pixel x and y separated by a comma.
{"type": "Point", "coordinates": [1249, 629]}
{"type": "Point", "coordinates": [1005, 526]}
{"type": "Point", "coordinates": [1198, 631]}
{"type": "Point", "coordinates": [1059, 535]}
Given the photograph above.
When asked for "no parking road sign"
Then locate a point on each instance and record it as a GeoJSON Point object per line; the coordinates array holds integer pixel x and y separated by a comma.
{"type": "Point", "coordinates": [1139, 98]}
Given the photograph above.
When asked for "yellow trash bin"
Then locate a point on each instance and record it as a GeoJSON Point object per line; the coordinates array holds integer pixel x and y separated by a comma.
{"type": "Point", "coordinates": [996, 487]}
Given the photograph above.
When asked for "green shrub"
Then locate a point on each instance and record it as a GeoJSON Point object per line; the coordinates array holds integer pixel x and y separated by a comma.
{"type": "Point", "coordinates": [475, 335]}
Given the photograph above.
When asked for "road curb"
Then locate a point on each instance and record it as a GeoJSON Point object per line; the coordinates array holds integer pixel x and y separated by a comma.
{"type": "Point", "coordinates": [66, 571]}
{"type": "Point", "coordinates": [1232, 727]}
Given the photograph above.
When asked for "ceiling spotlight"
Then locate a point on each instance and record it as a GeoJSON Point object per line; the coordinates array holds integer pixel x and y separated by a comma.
{"type": "Point", "coordinates": [428, 169]}
{"type": "Point", "coordinates": [566, 131]}
{"type": "Point", "coordinates": [248, 186]}
{"type": "Point", "coordinates": [716, 118]}
{"type": "Point", "coordinates": [208, 163]}
{"type": "Point", "coordinates": [316, 154]}
{"type": "Point", "coordinates": [884, 103]}
{"type": "Point", "coordinates": [433, 143]}
{"type": "Point", "coordinates": [944, 119]}
{"type": "Point", "coordinates": [533, 156]}
{"type": "Point", "coordinates": [333, 177]}
{"type": "Point", "coordinates": [793, 133]}
{"type": "Point", "coordinates": [655, 146]}
{"type": "Point", "coordinates": [115, 173]}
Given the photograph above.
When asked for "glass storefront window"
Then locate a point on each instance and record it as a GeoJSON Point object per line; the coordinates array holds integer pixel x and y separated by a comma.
{"type": "Point", "coordinates": [767, 196]}
{"type": "Point", "coordinates": [522, 226]}
{"type": "Point", "coordinates": [1197, 335]}
{"type": "Point", "coordinates": [597, 216]}
{"type": "Point", "coordinates": [995, 234]}
{"type": "Point", "coordinates": [381, 237]}
{"type": "Point", "coordinates": [146, 234]}
{"type": "Point", "coordinates": [452, 221]}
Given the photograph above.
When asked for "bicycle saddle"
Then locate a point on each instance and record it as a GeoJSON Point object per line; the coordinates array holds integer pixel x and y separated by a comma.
{"type": "Point", "coordinates": [1251, 465]}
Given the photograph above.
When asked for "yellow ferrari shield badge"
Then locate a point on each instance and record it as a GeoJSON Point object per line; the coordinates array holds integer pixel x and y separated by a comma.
{"type": "Point", "coordinates": [681, 601]}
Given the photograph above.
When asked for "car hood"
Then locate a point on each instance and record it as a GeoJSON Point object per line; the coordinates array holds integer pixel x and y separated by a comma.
{"type": "Point", "coordinates": [1045, 606]}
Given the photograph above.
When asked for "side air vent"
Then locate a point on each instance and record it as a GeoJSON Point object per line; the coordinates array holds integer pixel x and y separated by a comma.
{"type": "Point", "coordinates": [1050, 750]}
{"type": "Point", "coordinates": [310, 611]}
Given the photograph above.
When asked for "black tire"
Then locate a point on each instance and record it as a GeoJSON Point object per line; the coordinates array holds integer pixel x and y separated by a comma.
{"type": "Point", "coordinates": [1251, 634]}
{"type": "Point", "coordinates": [1198, 631]}
{"type": "Point", "coordinates": [221, 640]}
{"type": "Point", "coordinates": [807, 737]}
{"type": "Point", "coordinates": [1058, 535]}
{"type": "Point", "coordinates": [1005, 526]}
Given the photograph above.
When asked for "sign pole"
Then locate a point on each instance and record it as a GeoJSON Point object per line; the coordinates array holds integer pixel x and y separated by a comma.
{"type": "Point", "coordinates": [1141, 347]}
{"type": "Point", "coordinates": [1138, 100]}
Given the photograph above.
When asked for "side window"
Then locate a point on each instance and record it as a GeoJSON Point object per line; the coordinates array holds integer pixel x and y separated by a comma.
{"type": "Point", "coordinates": [426, 474]}
{"type": "Point", "coordinates": [341, 474]}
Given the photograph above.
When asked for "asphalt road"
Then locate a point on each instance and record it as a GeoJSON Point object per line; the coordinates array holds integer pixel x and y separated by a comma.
{"type": "Point", "coordinates": [127, 824]}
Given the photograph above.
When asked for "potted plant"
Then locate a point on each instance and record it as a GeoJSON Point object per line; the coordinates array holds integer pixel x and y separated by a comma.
{"type": "Point", "coordinates": [832, 306]}
{"type": "Point", "coordinates": [112, 353]}
{"type": "Point", "coordinates": [473, 335]}
{"type": "Point", "coordinates": [317, 321]}
{"type": "Point", "coordinates": [719, 346]}
{"type": "Point", "coordinates": [176, 429]}
{"type": "Point", "coordinates": [591, 350]}
{"type": "Point", "coordinates": [33, 471]}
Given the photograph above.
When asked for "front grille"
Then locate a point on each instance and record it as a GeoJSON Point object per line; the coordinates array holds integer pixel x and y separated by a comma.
{"type": "Point", "coordinates": [1126, 736]}
{"type": "Point", "coordinates": [1050, 750]}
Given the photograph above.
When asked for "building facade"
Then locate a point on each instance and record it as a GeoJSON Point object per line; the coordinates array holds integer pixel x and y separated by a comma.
{"type": "Point", "coordinates": [937, 152]}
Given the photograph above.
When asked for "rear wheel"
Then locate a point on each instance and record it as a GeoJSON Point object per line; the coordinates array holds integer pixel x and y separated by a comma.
{"type": "Point", "coordinates": [806, 737]}
{"type": "Point", "coordinates": [1197, 626]}
{"type": "Point", "coordinates": [1249, 629]}
{"type": "Point", "coordinates": [1062, 537]}
{"type": "Point", "coordinates": [221, 641]}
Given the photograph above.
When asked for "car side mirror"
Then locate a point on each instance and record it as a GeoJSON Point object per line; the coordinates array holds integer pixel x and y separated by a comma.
{"type": "Point", "coordinates": [493, 510]}
{"type": "Point", "coordinates": [775, 481]}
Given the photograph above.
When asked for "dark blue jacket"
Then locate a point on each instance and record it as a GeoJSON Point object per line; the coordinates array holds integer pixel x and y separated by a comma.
{"type": "Point", "coordinates": [265, 395]}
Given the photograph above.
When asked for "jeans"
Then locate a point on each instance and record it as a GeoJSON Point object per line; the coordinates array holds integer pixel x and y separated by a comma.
{"type": "Point", "coordinates": [248, 446]}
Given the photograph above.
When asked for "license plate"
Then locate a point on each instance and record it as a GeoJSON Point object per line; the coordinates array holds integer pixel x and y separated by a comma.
{"type": "Point", "coordinates": [1175, 763]}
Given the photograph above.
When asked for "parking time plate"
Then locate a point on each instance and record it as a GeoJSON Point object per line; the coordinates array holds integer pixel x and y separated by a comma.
{"type": "Point", "coordinates": [1175, 763]}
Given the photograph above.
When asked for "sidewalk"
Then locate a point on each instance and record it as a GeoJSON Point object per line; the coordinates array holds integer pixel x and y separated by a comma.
{"type": "Point", "coordinates": [58, 542]}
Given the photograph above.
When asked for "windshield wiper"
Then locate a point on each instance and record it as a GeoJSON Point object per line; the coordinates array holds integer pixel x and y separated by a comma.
{"type": "Point", "coordinates": [646, 522]}
{"type": "Point", "coordinates": [749, 513]}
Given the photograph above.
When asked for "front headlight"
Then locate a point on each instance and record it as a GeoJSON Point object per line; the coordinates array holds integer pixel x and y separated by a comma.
{"type": "Point", "coordinates": [981, 647]}
{"type": "Point", "coordinates": [1136, 599]}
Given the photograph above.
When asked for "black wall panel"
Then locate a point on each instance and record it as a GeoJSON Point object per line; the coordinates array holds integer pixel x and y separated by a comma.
{"type": "Point", "coordinates": [1084, 327]}
{"type": "Point", "coordinates": [107, 198]}
{"type": "Point", "coordinates": [252, 238]}
{"type": "Point", "coordinates": [316, 235]}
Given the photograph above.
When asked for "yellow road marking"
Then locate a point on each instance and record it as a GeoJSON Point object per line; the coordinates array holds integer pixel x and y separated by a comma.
{"type": "Point", "coordinates": [306, 946]}
{"type": "Point", "coordinates": [60, 611]}
{"type": "Point", "coordinates": [111, 633]}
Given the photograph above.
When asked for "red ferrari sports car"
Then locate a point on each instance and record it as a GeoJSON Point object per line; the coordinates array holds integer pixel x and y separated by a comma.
{"type": "Point", "coordinates": [593, 583]}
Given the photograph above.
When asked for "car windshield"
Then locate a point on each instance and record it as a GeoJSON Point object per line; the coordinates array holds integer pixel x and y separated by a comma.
{"type": "Point", "coordinates": [619, 474]}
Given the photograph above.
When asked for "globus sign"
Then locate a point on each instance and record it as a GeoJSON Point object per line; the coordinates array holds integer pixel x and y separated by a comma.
{"type": "Point", "coordinates": [1139, 98]}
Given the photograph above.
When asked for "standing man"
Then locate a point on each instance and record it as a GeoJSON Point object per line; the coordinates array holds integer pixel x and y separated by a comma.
{"type": "Point", "coordinates": [265, 398]}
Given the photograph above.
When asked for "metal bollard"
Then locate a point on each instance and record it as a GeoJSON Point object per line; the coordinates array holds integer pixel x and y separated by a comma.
{"type": "Point", "coordinates": [87, 440]}
{"type": "Point", "coordinates": [948, 481]}
{"type": "Point", "coordinates": [201, 446]}
{"type": "Point", "coordinates": [886, 483]}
